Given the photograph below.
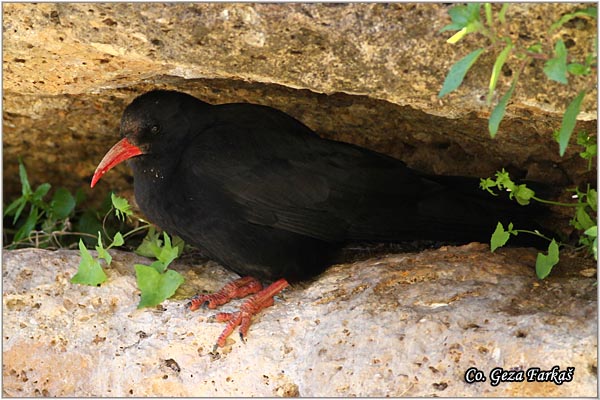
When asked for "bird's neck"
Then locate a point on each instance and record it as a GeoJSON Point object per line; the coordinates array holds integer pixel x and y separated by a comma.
{"type": "Point", "coordinates": [152, 169]}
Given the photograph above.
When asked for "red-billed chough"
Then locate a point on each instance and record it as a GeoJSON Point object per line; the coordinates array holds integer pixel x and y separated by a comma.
{"type": "Point", "coordinates": [262, 194]}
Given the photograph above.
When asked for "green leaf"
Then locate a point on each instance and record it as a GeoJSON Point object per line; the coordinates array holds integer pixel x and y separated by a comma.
{"type": "Point", "coordinates": [568, 122]}
{"type": "Point", "coordinates": [25, 187]}
{"type": "Point", "coordinates": [578, 69]}
{"type": "Point", "coordinates": [179, 244]}
{"type": "Point", "coordinates": [487, 184]}
{"type": "Point", "coordinates": [167, 253]}
{"type": "Point", "coordinates": [122, 207]}
{"type": "Point", "coordinates": [592, 199]}
{"type": "Point", "coordinates": [159, 266]}
{"type": "Point", "coordinates": [40, 192]}
{"type": "Point", "coordinates": [523, 194]}
{"type": "Point", "coordinates": [151, 244]}
{"type": "Point", "coordinates": [63, 203]}
{"type": "Point", "coordinates": [502, 13]}
{"type": "Point", "coordinates": [497, 69]}
{"type": "Point", "coordinates": [462, 16]}
{"type": "Point", "coordinates": [16, 207]}
{"type": "Point", "coordinates": [590, 146]}
{"type": "Point", "coordinates": [545, 263]}
{"type": "Point", "coordinates": [80, 196]}
{"type": "Point", "coordinates": [582, 219]}
{"type": "Point", "coordinates": [588, 12]}
{"type": "Point", "coordinates": [102, 253]}
{"type": "Point", "coordinates": [90, 272]}
{"type": "Point", "coordinates": [503, 180]}
{"type": "Point", "coordinates": [499, 237]}
{"type": "Point", "coordinates": [118, 240]}
{"type": "Point", "coordinates": [593, 233]}
{"type": "Point", "coordinates": [28, 225]}
{"type": "Point", "coordinates": [458, 71]}
{"type": "Point", "coordinates": [154, 286]}
{"type": "Point", "coordinates": [536, 48]}
{"type": "Point", "coordinates": [556, 67]}
{"type": "Point", "coordinates": [488, 13]}
{"type": "Point", "coordinates": [88, 223]}
{"type": "Point", "coordinates": [498, 111]}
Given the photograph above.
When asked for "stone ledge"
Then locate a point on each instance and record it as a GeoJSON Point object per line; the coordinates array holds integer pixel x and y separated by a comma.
{"type": "Point", "coordinates": [398, 325]}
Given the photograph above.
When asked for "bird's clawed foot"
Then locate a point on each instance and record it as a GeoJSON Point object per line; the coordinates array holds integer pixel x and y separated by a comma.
{"type": "Point", "coordinates": [242, 287]}
{"type": "Point", "coordinates": [233, 290]}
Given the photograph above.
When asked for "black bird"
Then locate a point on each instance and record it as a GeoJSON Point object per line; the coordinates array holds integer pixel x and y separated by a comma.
{"type": "Point", "coordinates": [261, 193]}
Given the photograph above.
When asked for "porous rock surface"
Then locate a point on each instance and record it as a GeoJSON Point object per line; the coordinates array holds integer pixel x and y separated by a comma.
{"type": "Point", "coordinates": [404, 324]}
{"type": "Point", "coordinates": [363, 73]}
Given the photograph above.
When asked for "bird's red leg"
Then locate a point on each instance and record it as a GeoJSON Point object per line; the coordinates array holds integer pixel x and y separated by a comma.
{"type": "Point", "coordinates": [252, 306]}
{"type": "Point", "coordinates": [233, 290]}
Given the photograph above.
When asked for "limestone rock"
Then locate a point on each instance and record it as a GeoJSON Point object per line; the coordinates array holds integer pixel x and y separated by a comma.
{"type": "Point", "coordinates": [397, 325]}
{"type": "Point", "coordinates": [362, 73]}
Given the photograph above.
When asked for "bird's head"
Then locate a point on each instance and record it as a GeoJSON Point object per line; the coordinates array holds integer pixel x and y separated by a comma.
{"type": "Point", "coordinates": [153, 123]}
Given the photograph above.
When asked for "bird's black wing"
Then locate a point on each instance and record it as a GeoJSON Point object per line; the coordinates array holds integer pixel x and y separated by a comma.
{"type": "Point", "coordinates": [284, 176]}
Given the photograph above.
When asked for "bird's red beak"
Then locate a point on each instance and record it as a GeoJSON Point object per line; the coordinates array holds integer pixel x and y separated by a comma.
{"type": "Point", "coordinates": [120, 152]}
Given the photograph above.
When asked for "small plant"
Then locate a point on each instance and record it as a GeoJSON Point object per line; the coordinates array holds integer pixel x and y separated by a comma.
{"type": "Point", "coordinates": [584, 219]}
{"type": "Point", "coordinates": [558, 65]}
{"type": "Point", "coordinates": [156, 282]}
{"type": "Point", "coordinates": [48, 223]}
{"type": "Point", "coordinates": [36, 219]}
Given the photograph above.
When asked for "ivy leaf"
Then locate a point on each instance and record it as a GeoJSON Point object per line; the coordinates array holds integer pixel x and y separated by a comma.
{"type": "Point", "coordinates": [150, 245]}
{"type": "Point", "coordinates": [102, 253]}
{"type": "Point", "coordinates": [503, 180]}
{"type": "Point", "coordinates": [499, 237]}
{"type": "Point", "coordinates": [122, 207]}
{"type": "Point", "coordinates": [556, 67]}
{"type": "Point", "coordinates": [118, 240]}
{"type": "Point", "coordinates": [63, 203]}
{"type": "Point", "coordinates": [523, 194]}
{"type": "Point", "coordinates": [179, 244]}
{"type": "Point", "coordinates": [458, 71]}
{"type": "Point", "coordinates": [544, 263]}
{"type": "Point", "coordinates": [487, 184]}
{"type": "Point", "coordinates": [90, 272]}
{"type": "Point", "coordinates": [582, 220]}
{"type": "Point", "coordinates": [568, 122]}
{"type": "Point", "coordinates": [167, 253]}
{"type": "Point", "coordinates": [154, 286]}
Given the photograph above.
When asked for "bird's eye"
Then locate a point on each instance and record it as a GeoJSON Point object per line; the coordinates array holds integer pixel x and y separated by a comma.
{"type": "Point", "coordinates": [155, 129]}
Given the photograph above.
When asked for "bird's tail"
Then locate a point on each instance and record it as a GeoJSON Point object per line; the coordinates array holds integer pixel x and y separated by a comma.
{"type": "Point", "coordinates": [449, 208]}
